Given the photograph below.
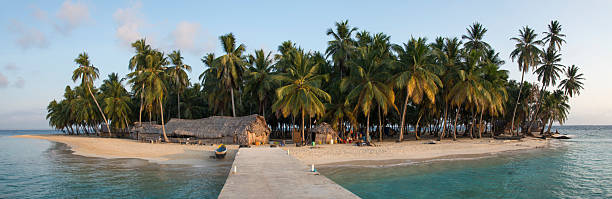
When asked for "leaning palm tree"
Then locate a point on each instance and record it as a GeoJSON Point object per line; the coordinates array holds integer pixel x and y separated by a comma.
{"type": "Point", "coordinates": [88, 74]}
{"type": "Point", "coordinates": [554, 37]}
{"type": "Point", "coordinates": [572, 84]}
{"type": "Point", "coordinates": [368, 80]}
{"type": "Point", "coordinates": [231, 65]}
{"type": "Point", "coordinates": [302, 94]}
{"type": "Point", "coordinates": [154, 77]}
{"type": "Point", "coordinates": [527, 54]}
{"type": "Point", "coordinates": [415, 74]}
{"type": "Point", "coordinates": [341, 47]}
{"type": "Point", "coordinates": [177, 71]}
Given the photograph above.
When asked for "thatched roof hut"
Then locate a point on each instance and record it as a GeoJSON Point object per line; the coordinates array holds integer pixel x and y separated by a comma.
{"type": "Point", "coordinates": [247, 130]}
{"type": "Point", "coordinates": [324, 133]}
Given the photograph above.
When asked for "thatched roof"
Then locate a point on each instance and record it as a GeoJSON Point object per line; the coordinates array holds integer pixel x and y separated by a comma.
{"type": "Point", "coordinates": [219, 126]}
{"type": "Point", "coordinates": [324, 128]}
{"type": "Point", "coordinates": [147, 127]}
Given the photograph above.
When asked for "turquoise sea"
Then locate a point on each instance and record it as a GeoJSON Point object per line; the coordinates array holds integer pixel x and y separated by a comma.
{"type": "Point", "coordinates": [31, 168]}
{"type": "Point", "coordinates": [576, 168]}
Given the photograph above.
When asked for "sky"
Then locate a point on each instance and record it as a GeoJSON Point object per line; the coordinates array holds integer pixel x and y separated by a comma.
{"type": "Point", "coordinates": [40, 39]}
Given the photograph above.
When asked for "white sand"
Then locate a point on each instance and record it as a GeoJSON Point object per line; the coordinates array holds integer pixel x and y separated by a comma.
{"type": "Point", "coordinates": [121, 148]}
{"type": "Point", "coordinates": [386, 153]}
{"type": "Point", "coordinates": [391, 152]}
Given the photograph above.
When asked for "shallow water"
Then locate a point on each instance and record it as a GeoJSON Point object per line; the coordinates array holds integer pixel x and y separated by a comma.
{"type": "Point", "coordinates": [576, 168]}
{"type": "Point", "coordinates": [32, 168]}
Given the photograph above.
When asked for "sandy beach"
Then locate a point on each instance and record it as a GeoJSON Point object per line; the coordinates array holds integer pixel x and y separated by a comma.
{"type": "Point", "coordinates": [390, 152]}
{"type": "Point", "coordinates": [123, 148]}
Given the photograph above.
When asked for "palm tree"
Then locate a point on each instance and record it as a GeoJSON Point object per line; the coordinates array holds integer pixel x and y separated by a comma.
{"type": "Point", "coordinates": [367, 79]}
{"type": "Point", "coordinates": [181, 80]}
{"type": "Point", "coordinates": [260, 82]}
{"type": "Point", "coordinates": [527, 54]}
{"type": "Point", "coordinates": [448, 56]}
{"type": "Point", "coordinates": [154, 76]}
{"type": "Point", "coordinates": [556, 107]}
{"type": "Point", "coordinates": [138, 64]}
{"type": "Point", "coordinates": [342, 46]}
{"type": "Point", "coordinates": [302, 94]}
{"type": "Point", "coordinates": [117, 102]}
{"type": "Point", "coordinates": [415, 74]}
{"type": "Point", "coordinates": [88, 74]}
{"type": "Point", "coordinates": [548, 73]}
{"type": "Point", "coordinates": [231, 65]}
{"type": "Point", "coordinates": [474, 38]}
{"type": "Point", "coordinates": [553, 37]}
{"type": "Point", "coordinates": [572, 84]}
{"type": "Point", "coordinates": [468, 90]}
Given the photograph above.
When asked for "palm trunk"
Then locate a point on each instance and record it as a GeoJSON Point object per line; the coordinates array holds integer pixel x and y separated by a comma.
{"type": "Point", "coordinates": [535, 117]}
{"type": "Point", "coordinates": [100, 109]}
{"type": "Point", "coordinates": [473, 122]}
{"type": "Point", "coordinates": [380, 138]}
{"type": "Point", "coordinates": [302, 127]}
{"type": "Point", "coordinates": [161, 111]}
{"type": "Point", "coordinates": [480, 125]}
{"type": "Point", "coordinates": [517, 103]}
{"type": "Point", "coordinates": [233, 107]}
{"type": "Point", "coordinates": [401, 135]}
{"type": "Point", "coordinates": [455, 125]}
{"type": "Point", "coordinates": [550, 125]}
{"type": "Point", "coordinates": [444, 122]}
{"type": "Point", "coordinates": [367, 127]}
{"type": "Point", "coordinates": [416, 128]}
{"type": "Point", "coordinates": [141, 105]}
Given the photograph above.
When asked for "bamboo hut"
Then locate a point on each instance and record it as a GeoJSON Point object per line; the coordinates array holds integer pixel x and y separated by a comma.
{"type": "Point", "coordinates": [246, 130]}
{"type": "Point", "coordinates": [146, 131]}
{"type": "Point", "coordinates": [324, 133]}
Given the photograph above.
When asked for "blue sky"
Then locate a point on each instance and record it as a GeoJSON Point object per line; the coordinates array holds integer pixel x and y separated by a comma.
{"type": "Point", "coordinates": [41, 38]}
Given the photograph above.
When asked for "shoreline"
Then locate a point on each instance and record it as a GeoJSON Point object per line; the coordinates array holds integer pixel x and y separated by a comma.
{"type": "Point", "coordinates": [388, 153]}
{"type": "Point", "coordinates": [125, 148]}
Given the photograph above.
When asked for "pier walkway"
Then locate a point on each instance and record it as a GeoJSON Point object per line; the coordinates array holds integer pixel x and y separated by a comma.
{"type": "Point", "coordinates": [272, 173]}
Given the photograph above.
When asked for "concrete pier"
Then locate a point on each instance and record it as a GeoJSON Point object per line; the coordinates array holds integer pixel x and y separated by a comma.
{"type": "Point", "coordinates": [272, 173]}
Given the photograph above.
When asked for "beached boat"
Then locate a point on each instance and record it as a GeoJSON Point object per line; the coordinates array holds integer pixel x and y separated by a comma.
{"type": "Point", "coordinates": [558, 136]}
{"type": "Point", "coordinates": [220, 151]}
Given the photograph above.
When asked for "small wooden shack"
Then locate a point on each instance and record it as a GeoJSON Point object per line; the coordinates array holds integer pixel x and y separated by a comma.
{"type": "Point", "coordinates": [324, 133]}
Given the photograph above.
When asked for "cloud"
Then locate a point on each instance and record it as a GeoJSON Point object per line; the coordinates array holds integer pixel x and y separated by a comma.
{"type": "Point", "coordinates": [11, 67]}
{"type": "Point", "coordinates": [190, 37]}
{"type": "Point", "coordinates": [3, 81]}
{"type": "Point", "coordinates": [39, 14]}
{"type": "Point", "coordinates": [28, 37]}
{"type": "Point", "coordinates": [129, 21]}
{"type": "Point", "coordinates": [71, 15]}
{"type": "Point", "coordinates": [20, 83]}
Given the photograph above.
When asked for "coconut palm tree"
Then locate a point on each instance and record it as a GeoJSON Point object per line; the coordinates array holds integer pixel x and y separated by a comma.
{"type": "Point", "coordinates": [527, 55]}
{"type": "Point", "coordinates": [138, 64]}
{"type": "Point", "coordinates": [260, 82]}
{"type": "Point", "coordinates": [468, 90]}
{"type": "Point", "coordinates": [178, 72]}
{"type": "Point", "coordinates": [448, 54]}
{"type": "Point", "coordinates": [231, 65]}
{"type": "Point", "coordinates": [368, 81]}
{"type": "Point", "coordinates": [116, 100]}
{"type": "Point", "coordinates": [155, 89]}
{"type": "Point", "coordinates": [475, 34]}
{"type": "Point", "coordinates": [548, 73]}
{"type": "Point", "coordinates": [88, 74]}
{"type": "Point", "coordinates": [554, 37]}
{"type": "Point", "coordinates": [415, 74]}
{"type": "Point", "coordinates": [301, 94]}
{"type": "Point", "coordinates": [341, 47]}
{"type": "Point", "coordinates": [572, 84]}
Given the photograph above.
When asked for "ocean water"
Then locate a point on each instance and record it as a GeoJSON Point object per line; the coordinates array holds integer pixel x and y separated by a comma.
{"type": "Point", "coordinates": [32, 168]}
{"type": "Point", "coordinates": [575, 168]}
